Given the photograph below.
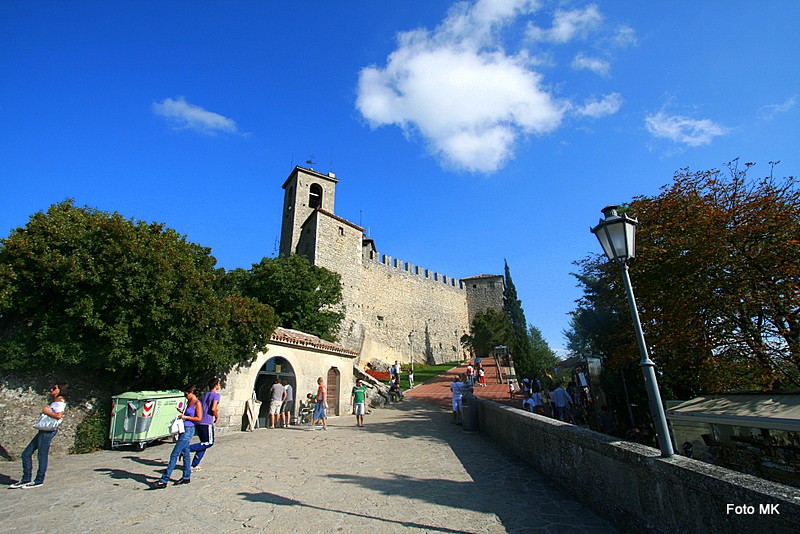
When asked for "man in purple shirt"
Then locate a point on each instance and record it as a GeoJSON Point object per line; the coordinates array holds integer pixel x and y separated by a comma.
{"type": "Point", "coordinates": [205, 428]}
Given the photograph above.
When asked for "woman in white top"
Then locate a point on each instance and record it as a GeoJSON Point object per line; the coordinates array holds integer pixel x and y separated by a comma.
{"type": "Point", "coordinates": [41, 441]}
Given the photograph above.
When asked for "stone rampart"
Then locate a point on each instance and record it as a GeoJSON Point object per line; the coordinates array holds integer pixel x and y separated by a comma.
{"type": "Point", "coordinates": [395, 302]}
{"type": "Point", "coordinates": [634, 487]}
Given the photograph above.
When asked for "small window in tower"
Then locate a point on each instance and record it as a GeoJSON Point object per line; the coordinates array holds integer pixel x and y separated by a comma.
{"type": "Point", "coordinates": [315, 196]}
{"type": "Point", "coordinates": [341, 230]}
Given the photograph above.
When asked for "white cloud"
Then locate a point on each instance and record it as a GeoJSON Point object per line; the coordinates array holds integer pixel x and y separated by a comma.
{"type": "Point", "coordinates": [597, 108]}
{"type": "Point", "coordinates": [182, 115]}
{"type": "Point", "coordinates": [470, 101]}
{"type": "Point", "coordinates": [596, 65]}
{"type": "Point", "coordinates": [625, 36]}
{"type": "Point", "coordinates": [461, 91]}
{"type": "Point", "coordinates": [568, 25]}
{"type": "Point", "coordinates": [685, 130]}
{"type": "Point", "coordinates": [769, 111]}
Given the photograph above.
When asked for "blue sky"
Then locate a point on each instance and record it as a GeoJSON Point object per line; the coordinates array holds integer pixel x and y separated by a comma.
{"type": "Point", "coordinates": [462, 133]}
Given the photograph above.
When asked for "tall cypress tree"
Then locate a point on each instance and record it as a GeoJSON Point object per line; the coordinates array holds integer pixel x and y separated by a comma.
{"type": "Point", "coordinates": [520, 342]}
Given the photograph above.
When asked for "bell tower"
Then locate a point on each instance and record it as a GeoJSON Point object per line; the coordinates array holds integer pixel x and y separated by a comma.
{"type": "Point", "coordinates": [305, 190]}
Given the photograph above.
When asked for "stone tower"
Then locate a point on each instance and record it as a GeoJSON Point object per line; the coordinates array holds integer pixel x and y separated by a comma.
{"type": "Point", "coordinates": [304, 191]}
{"type": "Point", "coordinates": [394, 310]}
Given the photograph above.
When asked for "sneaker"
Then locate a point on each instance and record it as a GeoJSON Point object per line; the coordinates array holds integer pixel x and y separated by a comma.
{"type": "Point", "coordinates": [20, 484]}
{"type": "Point", "coordinates": [311, 428]}
{"type": "Point", "coordinates": [182, 481]}
{"type": "Point", "coordinates": [196, 468]}
{"type": "Point", "coordinates": [31, 485]}
{"type": "Point", "coordinates": [160, 484]}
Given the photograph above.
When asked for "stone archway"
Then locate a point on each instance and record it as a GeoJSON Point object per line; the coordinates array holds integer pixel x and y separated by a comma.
{"type": "Point", "coordinates": [333, 385]}
{"type": "Point", "coordinates": [273, 370]}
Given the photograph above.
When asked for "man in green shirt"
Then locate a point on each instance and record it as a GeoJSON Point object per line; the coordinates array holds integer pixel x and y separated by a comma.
{"type": "Point", "coordinates": [358, 398]}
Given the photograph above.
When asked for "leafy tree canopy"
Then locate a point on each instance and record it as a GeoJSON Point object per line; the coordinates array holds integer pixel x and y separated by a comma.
{"type": "Point", "coordinates": [716, 279]}
{"type": "Point", "coordinates": [132, 301]}
{"type": "Point", "coordinates": [490, 328]}
{"type": "Point", "coordinates": [305, 297]}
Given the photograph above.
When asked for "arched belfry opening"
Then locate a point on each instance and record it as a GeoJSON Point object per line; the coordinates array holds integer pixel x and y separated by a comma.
{"type": "Point", "coordinates": [315, 196]}
{"type": "Point", "coordinates": [273, 370]}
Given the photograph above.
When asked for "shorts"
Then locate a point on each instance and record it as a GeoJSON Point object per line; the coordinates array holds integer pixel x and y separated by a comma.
{"type": "Point", "coordinates": [287, 406]}
{"type": "Point", "coordinates": [358, 408]}
{"type": "Point", "coordinates": [319, 411]}
{"type": "Point", "coordinates": [457, 404]}
{"type": "Point", "coordinates": [275, 407]}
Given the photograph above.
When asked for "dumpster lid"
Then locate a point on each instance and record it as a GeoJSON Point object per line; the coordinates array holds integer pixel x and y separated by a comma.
{"type": "Point", "coordinates": [142, 395]}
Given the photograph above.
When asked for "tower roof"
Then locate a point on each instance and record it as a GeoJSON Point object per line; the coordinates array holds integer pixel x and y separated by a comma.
{"type": "Point", "coordinates": [330, 176]}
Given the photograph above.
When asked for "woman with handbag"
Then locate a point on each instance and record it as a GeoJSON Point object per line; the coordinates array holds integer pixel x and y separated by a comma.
{"type": "Point", "coordinates": [191, 415]}
{"type": "Point", "coordinates": [47, 427]}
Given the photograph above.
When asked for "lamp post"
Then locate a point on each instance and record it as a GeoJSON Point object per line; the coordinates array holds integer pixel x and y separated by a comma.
{"type": "Point", "coordinates": [617, 236]}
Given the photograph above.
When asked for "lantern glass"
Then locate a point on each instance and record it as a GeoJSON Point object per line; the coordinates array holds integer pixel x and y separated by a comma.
{"type": "Point", "coordinates": [617, 235]}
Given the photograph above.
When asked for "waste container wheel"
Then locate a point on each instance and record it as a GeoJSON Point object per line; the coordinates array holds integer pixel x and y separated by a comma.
{"type": "Point", "coordinates": [141, 445]}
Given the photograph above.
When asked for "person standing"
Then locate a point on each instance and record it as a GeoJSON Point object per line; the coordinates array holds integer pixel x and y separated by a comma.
{"type": "Point", "coordinates": [411, 379]}
{"type": "Point", "coordinates": [538, 401]}
{"type": "Point", "coordinates": [358, 398]}
{"type": "Point", "coordinates": [205, 428]}
{"type": "Point", "coordinates": [286, 410]}
{"type": "Point", "coordinates": [561, 400]}
{"type": "Point", "coordinates": [191, 415]}
{"type": "Point", "coordinates": [319, 409]}
{"type": "Point", "coordinates": [457, 388]}
{"type": "Point", "coordinates": [41, 442]}
{"type": "Point", "coordinates": [482, 377]}
{"type": "Point", "coordinates": [277, 394]}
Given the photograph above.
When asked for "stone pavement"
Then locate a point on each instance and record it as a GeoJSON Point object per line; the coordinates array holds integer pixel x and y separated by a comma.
{"type": "Point", "coordinates": [408, 470]}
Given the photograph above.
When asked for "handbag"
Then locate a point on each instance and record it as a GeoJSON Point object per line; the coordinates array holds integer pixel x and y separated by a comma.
{"type": "Point", "coordinates": [47, 423]}
{"type": "Point", "coordinates": [176, 426]}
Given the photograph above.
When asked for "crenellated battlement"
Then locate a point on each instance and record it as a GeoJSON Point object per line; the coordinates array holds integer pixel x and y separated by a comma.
{"type": "Point", "coordinates": [374, 257]}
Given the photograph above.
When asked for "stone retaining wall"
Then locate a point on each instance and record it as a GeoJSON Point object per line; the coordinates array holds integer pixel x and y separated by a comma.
{"type": "Point", "coordinates": [633, 486]}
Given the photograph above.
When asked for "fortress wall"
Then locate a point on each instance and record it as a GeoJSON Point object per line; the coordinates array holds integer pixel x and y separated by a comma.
{"type": "Point", "coordinates": [393, 302]}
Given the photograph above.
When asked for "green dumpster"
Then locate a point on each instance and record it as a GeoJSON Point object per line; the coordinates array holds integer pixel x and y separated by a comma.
{"type": "Point", "coordinates": [139, 417]}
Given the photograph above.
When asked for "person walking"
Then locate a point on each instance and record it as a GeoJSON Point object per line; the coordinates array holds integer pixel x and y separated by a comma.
{"type": "Point", "coordinates": [277, 394]}
{"type": "Point", "coordinates": [205, 428]}
{"type": "Point", "coordinates": [319, 409]}
{"type": "Point", "coordinates": [41, 441]}
{"type": "Point", "coordinates": [561, 400]}
{"type": "Point", "coordinates": [288, 403]}
{"type": "Point", "coordinates": [358, 398]}
{"type": "Point", "coordinates": [457, 388]}
{"type": "Point", "coordinates": [191, 415]}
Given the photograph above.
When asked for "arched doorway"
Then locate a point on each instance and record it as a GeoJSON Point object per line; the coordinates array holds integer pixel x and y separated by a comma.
{"type": "Point", "coordinates": [273, 370]}
{"type": "Point", "coordinates": [333, 391]}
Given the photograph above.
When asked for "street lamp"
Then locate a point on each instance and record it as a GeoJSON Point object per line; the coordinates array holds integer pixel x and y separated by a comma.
{"type": "Point", "coordinates": [617, 236]}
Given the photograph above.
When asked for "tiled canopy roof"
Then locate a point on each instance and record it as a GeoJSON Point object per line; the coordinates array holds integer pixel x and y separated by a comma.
{"type": "Point", "coordinates": [286, 336]}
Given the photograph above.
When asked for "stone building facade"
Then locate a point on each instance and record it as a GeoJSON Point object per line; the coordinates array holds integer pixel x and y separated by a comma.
{"type": "Point", "coordinates": [394, 310]}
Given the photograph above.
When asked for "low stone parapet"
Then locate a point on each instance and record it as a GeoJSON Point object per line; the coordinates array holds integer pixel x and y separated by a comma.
{"type": "Point", "coordinates": [633, 486]}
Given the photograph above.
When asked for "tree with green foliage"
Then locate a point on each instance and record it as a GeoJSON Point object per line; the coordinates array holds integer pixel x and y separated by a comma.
{"type": "Point", "coordinates": [716, 278]}
{"type": "Point", "coordinates": [489, 329]}
{"type": "Point", "coordinates": [543, 358]}
{"type": "Point", "coordinates": [519, 339]}
{"type": "Point", "coordinates": [305, 297]}
{"type": "Point", "coordinates": [132, 302]}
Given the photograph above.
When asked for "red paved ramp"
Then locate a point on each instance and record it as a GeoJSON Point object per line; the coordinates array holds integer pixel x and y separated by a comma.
{"type": "Point", "coordinates": [437, 390]}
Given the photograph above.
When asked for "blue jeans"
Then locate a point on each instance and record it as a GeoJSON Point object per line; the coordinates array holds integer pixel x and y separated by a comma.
{"type": "Point", "coordinates": [181, 449]}
{"type": "Point", "coordinates": [41, 442]}
{"type": "Point", "coordinates": [206, 435]}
